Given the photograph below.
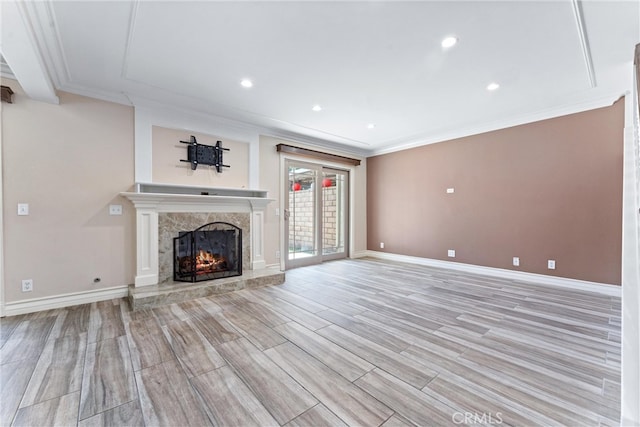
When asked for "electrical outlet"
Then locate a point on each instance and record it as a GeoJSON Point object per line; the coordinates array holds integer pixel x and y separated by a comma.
{"type": "Point", "coordinates": [451, 253]}
{"type": "Point", "coordinates": [451, 190]}
{"type": "Point", "coordinates": [277, 254]}
{"type": "Point", "coordinates": [115, 209]}
{"type": "Point", "coordinates": [27, 285]}
{"type": "Point", "coordinates": [516, 261]}
{"type": "Point", "coordinates": [551, 264]}
{"type": "Point", "coordinates": [381, 245]}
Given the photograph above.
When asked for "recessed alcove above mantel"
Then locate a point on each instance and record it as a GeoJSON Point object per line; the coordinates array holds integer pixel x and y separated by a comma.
{"type": "Point", "coordinates": [150, 199]}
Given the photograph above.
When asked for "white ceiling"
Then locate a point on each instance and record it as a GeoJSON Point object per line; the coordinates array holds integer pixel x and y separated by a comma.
{"type": "Point", "coordinates": [363, 62]}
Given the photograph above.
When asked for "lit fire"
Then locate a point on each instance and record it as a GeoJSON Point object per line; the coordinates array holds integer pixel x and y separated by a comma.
{"type": "Point", "coordinates": [206, 262]}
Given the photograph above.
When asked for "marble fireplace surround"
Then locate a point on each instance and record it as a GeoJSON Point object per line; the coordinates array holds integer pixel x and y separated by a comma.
{"type": "Point", "coordinates": [170, 224]}
{"type": "Point", "coordinates": [163, 209]}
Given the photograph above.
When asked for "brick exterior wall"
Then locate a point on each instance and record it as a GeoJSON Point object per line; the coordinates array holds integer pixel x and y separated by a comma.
{"type": "Point", "coordinates": [301, 220]}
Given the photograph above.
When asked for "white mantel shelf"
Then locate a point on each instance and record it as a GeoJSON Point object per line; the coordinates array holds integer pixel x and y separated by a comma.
{"type": "Point", "coordinates": [151, 199]}
{"type": "Point", "coordinates": [169, 197]}
{"type": "Point", "coordinates": [165, 202]}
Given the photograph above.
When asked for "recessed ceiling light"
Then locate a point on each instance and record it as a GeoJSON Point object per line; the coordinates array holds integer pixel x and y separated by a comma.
{"type": "Point", "coordinates": [493, 86]}
{"type": "Point", "coordinates": [448, 42]}
{"type": "Point", "coordinates": [246, 83]}
{"type": "Point", "coordinates": [371, 126]}
{"type": "Point", "coordinates": [316, 108]}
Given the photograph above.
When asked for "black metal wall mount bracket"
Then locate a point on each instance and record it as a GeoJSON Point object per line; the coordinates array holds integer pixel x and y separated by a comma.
{"type": "Point", "coordinates": [201, 154]}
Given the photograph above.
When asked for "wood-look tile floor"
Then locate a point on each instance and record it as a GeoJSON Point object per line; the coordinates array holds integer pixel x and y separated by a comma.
{"type": "Point", "coordinates": [354, 342]}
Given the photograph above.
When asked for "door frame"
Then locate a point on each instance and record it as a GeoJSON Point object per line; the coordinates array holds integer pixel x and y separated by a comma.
{"type": "Point", "coordinates": [351, 199]}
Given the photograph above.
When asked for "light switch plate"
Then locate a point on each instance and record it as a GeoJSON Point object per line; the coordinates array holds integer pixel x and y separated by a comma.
{"type": "Point", "coordinates": [23, 208]}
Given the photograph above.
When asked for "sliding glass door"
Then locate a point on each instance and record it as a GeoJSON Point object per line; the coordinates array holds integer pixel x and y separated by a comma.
{"type": "Point", "coordinates": [316, 213]}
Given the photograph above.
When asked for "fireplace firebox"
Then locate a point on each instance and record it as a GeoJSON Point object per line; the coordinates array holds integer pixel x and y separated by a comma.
{"type": "Point", "coordinates": [210, 252]}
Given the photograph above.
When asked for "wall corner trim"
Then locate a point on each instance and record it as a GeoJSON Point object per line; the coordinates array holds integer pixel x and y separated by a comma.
{"type": "Point", "coordinates": [583, 285]}
{"type": "Point", "coordinates": [64, 300]}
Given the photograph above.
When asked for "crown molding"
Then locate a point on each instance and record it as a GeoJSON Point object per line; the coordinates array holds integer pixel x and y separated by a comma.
{"type": "Point", "coordinates": [130, 32]}
{"type": "Point", "coordinates": [22, 51]}
{"type": "Point", "coordinates": [550, 113]}
{"type": "Point", "coordinates": [44, 28]}
{"type": "Point", "coordinates": [5, 70]}
{"type": "Point", "coordinates": [103, 95]}
{"type": "Point", "coordinates": [584, 41]}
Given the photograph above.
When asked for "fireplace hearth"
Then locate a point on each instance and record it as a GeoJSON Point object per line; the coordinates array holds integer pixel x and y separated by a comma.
{"type": "Point", "coordinates": [210, 252]}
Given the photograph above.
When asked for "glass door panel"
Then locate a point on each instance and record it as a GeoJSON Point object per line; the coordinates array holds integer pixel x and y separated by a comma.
{"type": "Point", "coordinates": [334, 213]}
{"type": "Point", "coordinates": [302, 215]}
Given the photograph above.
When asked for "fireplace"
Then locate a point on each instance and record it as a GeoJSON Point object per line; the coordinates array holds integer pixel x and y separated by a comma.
{"type": "Point", "coordinates": [164, 210]}
{"type": "Point", "coordinates": [209, 252]}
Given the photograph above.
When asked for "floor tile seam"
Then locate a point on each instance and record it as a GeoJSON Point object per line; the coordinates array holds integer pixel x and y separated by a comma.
{"type": "Point", "coordinates": [199, 331]}
{"type": "Point", "coordinates": [498, 399]}
{"type": "Point", "coordinates": [492, 353]}
{"type": "Point", "coordinates": [549, 334]}
{"type": "Point", "coordinates": [533, 367]}
{"type": "Point", "coordinates": [574, 307]}
{"type": "Point", "coordinates": [568, 322]}
{"type": "Point", "coordinates": [554, 328]}
{"type": "Point", "coordinates": [84, 356]}
{"type": "Point", "coordinates": [538, 393]}
{"type": "Point", "coordinates": [84, 366]}
{"type": "Point", "coordinates": [256, 394]}
{"type": "Point", "coordinates": [328, 367]}
{"type": "Point", "coordinates": [554, 350]}
{"type": "Point", "coordinates": [180, 366]}
{"type": "Point", "coordinates": [15, 412]}
{"type": "Point", "coordinates": [551, 329]}
{"type": "Point", "coordinates": [402, 320]}
{"type": "Point", "coordinates": [567, 316]}
{"type": "Point", "coordinates": [376, 366]}
{"type": "Point", "coordinates": [108, 409]}
{"type": "Point", "coordinates": [395, 410]}
{"type": "Point", "coordinates": [175, 358]}
{"type": "Point", "coordinates": [515, 404]}
{"type": "Point", "coordinates": [346, 379]}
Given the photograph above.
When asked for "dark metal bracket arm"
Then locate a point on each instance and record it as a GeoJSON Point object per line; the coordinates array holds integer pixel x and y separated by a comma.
{"type": "Point", "coordinates": [201, 154]}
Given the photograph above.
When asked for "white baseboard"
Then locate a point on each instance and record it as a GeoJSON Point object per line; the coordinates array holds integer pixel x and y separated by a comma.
{"type": "Point", "coordinates": [258, 265]}
{"type": "Point", "coordinates": [360, 254]}
{"type": "Point", "coordinates": [273, 266]}
{"type": "Point", "coordinates": [65, 300]}
{"type": "Point", "coordinates": [601, 288]}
